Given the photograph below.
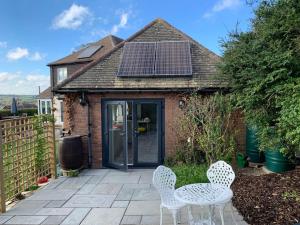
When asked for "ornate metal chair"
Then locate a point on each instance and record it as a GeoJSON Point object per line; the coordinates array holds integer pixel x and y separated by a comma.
{"type": "Point", "coordinates": [223, 174]}
{"type": "Point", "coordinates": [164, 180]}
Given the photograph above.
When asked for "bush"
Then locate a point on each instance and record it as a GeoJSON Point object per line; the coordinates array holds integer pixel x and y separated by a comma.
{"type": "Point", "coordinates": [263, 69]}
{"type": "Point", "coordinates": [190, 174]}
{"type": "Point", "coordinates": [203, 130]}
{"type": "Point", "coordinates": [29, 112]}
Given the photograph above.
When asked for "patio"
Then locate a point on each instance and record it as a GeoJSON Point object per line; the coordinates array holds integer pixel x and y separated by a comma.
{"type": "Point", "coordinates": [97, 197]}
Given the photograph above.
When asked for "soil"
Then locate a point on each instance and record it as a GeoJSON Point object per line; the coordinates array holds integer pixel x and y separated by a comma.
{"type": "Point", "coordinates": [269, 199]}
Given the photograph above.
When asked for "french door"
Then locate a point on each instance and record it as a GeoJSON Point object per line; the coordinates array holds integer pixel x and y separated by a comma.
{"type": "Point", "coordinates": [132, 133]}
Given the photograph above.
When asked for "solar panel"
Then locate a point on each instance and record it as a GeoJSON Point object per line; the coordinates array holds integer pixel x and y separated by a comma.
{"type": "Point", "coordinates": [89, 51]}
{"type": "Point", "coordinates": [138, 59]}
{"type": "Point", "coordinates": [173, 58]}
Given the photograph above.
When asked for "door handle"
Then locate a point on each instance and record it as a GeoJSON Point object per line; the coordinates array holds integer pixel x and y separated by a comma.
{"type": "Point", "coordinates": [122, 133]}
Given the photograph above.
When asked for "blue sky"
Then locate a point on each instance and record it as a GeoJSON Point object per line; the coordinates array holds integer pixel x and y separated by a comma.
{"type": "Point", "coordinates": [34, 32]}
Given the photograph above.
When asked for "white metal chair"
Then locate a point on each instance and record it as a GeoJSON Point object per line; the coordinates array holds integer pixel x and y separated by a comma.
{"type": "Point", "coordinates": [223, 174]}
{"type": "Point", "coordinates": [164, 180]}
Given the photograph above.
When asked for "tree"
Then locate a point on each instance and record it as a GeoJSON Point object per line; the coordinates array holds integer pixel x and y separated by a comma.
{"type": "Point", "coordinates": [263, 69]}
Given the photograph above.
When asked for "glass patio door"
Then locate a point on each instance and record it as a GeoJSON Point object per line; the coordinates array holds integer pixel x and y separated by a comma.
{"type": "Point", "coordinates": [147, 132]}
{"type": "Point", "coordinates": [116, 134]}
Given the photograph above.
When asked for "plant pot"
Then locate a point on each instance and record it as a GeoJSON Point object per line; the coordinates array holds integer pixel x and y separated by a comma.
{"type": "Point", "coordinates": [241, 160]}
{"type": "Point", "coordinates": [252, 149]}
{"type": "Point", "coordinates": [277, 162]}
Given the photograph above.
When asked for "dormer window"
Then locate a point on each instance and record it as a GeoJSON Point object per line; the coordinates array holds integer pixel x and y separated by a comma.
{"type": "Point", "coordinates": [62, 74]}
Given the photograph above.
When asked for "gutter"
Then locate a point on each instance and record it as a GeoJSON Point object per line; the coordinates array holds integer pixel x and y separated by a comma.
{"type": "Point", "coordinates": [85, 102]}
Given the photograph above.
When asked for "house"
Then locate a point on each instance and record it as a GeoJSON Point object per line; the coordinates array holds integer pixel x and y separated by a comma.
{"type": "Point", "coordinates": [65, 67]}
{"type": "Point", "coordinates": [127, 101]}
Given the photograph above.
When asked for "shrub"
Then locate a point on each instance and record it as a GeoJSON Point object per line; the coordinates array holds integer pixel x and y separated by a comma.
{"type": "Point", "coordinates": [190, 174]}
{"type": "Point", "coordinates": [262, 66]}
{"type": "Point", "coordinates": [204, 130]}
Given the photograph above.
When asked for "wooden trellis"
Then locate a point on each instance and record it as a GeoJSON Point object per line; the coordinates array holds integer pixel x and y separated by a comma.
{"type": "Point", "coordinates": [25, 155]}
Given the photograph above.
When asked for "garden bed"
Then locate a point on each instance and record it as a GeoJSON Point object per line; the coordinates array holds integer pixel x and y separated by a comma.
{"type": "Point", "coordinates": [271, 199]}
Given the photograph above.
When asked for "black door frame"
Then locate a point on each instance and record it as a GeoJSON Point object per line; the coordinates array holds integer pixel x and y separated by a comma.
{"type": "Point", "coordinates": [105, 134]}
{"type": "Point", "coordinates": [161, 129]}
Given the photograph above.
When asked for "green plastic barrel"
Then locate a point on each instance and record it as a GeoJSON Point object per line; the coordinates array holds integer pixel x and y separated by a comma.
{"type": "Point", "coordinates": [277, 162]}
{"type": "Point", "coordinates": [252, 150]}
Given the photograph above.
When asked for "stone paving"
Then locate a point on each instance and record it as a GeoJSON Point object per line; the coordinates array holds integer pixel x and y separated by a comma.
{"type": "Point", "coordinates": [98, 197]}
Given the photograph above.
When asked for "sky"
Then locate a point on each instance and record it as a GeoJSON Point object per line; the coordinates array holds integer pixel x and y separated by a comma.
{"type": "Point", "coordinates": [34, 33]}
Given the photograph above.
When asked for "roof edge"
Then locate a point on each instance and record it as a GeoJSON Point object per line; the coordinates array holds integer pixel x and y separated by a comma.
{"type": "Point", "coordinates": [96, 61]}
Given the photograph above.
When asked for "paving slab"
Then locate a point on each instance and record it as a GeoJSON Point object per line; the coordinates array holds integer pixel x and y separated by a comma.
{"type": "Point", "coordinates": [76, 216]}
{"type": "Point", "coordinates": [54, 211]}
{"type": "Point", "coordinates": [128, 189]}
{"type": "Point", "coordinates": [143, 208]}
{"type": "Point", "coordinates": [26, 220]}
{"type": "Point", "coordinates": [54, 220]}
{"type": "Point", "coordinates": [54, 183]}
{"type": "Point", "coordinates": [120, 204]}
{"type": "Point", "coordinates": [104, 216]}
{"type": "Point", "coordinates": [86, 189]}
{"type": "Point", "coordinates": [120, 179]}
{"type": "Point", "coordinates": [55, 204]}
{"type": "Point", "coordinates": [74, 183]}
{"type": "Point", "coordinates": [131, 220]}
{"type": "Point", "coordinates": [3, 219]}
{"type": "Point", "coordinates": [107, 189]}
{"type": "Point", "coordinates": [151, 220]}
{"type": "Point", "coordinates": [145, 194]}
{"type": "Point", "coordinates": [94, 172]}
{"type": "Point", "coordinates": [90, 201]}
{"type": "Point", "coordinates": [52, 195]}
{"type": "Point", "coordinates": [26, 207]}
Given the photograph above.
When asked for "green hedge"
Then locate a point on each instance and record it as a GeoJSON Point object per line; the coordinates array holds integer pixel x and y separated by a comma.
{"type": "Point", "coordinates": [29, 112]}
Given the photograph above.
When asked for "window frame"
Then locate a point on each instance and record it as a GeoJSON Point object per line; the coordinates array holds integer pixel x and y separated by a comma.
{"type": "Point", "coordinates": [59, 74]}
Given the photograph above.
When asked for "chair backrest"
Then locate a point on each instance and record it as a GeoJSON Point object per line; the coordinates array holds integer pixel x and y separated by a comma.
{"type": "Point", "coordinates": [164, 180]}
{"type": "Point", "coordinates": [221, 173]}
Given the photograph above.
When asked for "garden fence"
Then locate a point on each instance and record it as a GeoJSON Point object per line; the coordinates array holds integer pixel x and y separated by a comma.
{"type": "Point", "coordinates": [27, 152]}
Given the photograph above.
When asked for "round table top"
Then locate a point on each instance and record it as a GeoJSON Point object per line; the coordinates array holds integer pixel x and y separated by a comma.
{"type": "Point", "coordinates": [203, 194]}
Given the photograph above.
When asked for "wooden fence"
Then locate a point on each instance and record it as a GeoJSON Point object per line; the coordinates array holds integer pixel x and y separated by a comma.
{"type": "Point", "coordinates": [27, 152]}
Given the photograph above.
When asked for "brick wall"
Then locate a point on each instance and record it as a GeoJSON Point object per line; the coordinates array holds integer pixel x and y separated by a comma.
{"type": "Point", "coordinates": [171, 112]}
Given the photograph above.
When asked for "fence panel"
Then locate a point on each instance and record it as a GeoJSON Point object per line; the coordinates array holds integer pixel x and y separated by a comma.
{"type": "Point", "coordinates": [27, 153]}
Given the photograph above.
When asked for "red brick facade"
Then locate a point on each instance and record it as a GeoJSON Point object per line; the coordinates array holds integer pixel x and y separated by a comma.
{"type": "Point", "coordinates": [171, 111]}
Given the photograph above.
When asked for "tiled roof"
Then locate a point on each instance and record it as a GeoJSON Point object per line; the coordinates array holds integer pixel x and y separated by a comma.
{"type": "Point", "coordinates": [46, 94]}
{"type": "Point", "coordinates": [107, 42]}
{"type": "Point", "coordinates": [101, 73]}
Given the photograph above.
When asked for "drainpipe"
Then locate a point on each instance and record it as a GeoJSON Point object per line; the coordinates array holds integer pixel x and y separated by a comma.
{"type": "Point", "coordinates": [85, 102]}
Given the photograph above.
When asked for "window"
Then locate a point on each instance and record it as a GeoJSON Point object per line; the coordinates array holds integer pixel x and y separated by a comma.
{"type": "Point", "coordinates": [62, 74]}
{"type": "Point", "coordinates": [45, 106]}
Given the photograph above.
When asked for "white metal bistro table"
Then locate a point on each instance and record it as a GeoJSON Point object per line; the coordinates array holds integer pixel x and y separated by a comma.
{"type": "Point", "coordinates": [203, 194]}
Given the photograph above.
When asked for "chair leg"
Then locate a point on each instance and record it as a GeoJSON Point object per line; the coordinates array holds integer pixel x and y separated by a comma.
{"type": "Point", "coordinates": [161, 214]}
{"type": "Point", "coordinates": [190, 216]}
{"type": "Point", "coordinates": [174, 214]}
{"type": "Point", "coordinates": [210, 211]}
{"type": "Point", "coordinates": [232, 213]}
{"type": "Point", "coordinates": [221, 208]}
{"type": "Point", "coordinates": [179, 216]}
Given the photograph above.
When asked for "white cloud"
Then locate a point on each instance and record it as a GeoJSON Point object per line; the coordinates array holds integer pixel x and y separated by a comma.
{"type": "Point", "coordinates": [222, 5]}
{"type": "Point", "coordinates": [3, 44]}
{"type": "Point", "coordinates": [71, 18]}
{"type": "Point", "coordinates": [123, 21]}
{"type": "Point", "coordinates": [17, 53]}
{"type": "Point", "coordinates": [5, 76]}
{"type": "Point", "coordinates": [20, 83]}
{"type": "Point", "coordinates": [36, 56]}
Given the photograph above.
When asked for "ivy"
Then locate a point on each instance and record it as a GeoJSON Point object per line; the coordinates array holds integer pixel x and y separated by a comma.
{"type": "Point", "coordinates": [41, 141]}
{"type": "Point", "coordinates": [263, 69]}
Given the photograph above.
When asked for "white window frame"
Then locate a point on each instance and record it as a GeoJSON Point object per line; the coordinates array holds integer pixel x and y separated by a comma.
{"type": "Point", "coordinates": [62, 74]}
{"type": "Point", "coordinates": [46, 102]}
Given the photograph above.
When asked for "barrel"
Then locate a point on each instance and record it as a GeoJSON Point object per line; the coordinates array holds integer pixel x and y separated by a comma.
{"type": "Point", "coordinates": [277, 162]}
{"type": "Point", "coordinates": [252, 149]}
{"type": "Point", "coordinates": [71, 152]}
